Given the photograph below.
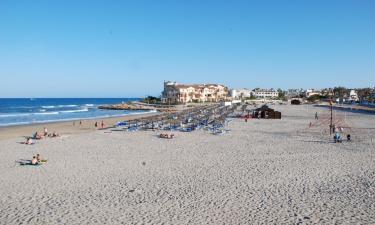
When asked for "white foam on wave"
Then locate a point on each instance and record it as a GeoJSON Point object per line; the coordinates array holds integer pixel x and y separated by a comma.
{"type": "Point", "coordinates": [48, 106]}
{"type": "Point", "coordinates": [46, 113]}
{"type": "Point", "coordinates": [89, 105]}
{"type": "Point", "coordinates": [74, 111]}
{"type": "Point", "coordinates": [62, 106]}
{"type": "Point", "coordinates": [57, 106]}
{"type": "Point", "coordinates": [14, 115]}
{"type": "Point", "coordinates": [28, 114]}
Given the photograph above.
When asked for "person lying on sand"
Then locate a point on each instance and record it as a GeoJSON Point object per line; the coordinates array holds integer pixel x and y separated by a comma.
{"type": "Point", "coordinates": [34, 162]}
{"type": "Point", "coordinates": [54, 134]}
{"type": "Point", "coordinates": [29, 141]}
{"type": "Point", "coordinates": [166, 136]}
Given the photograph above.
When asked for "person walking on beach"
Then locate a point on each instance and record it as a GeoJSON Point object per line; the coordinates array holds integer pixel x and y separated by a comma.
{"type": "Point", "coordinates": [316, 115]}
{"type": "Point", "coordinates": [80, 123]}
{"type": "Point", "coordinates": [102, 124]}
{"type": "Point", "coordinates": [96, 124]}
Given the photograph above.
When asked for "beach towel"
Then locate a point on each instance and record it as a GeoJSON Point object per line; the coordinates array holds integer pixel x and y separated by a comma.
{"type": "Point", "coordinates": [29, 164]}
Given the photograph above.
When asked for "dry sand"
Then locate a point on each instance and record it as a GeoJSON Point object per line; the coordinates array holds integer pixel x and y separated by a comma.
{"type": "Point", "coordinates": [262, 172]}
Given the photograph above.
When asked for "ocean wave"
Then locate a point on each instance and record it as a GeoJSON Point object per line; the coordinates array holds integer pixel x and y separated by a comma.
{"type": "Point", "coordinates": [57, 106]}
{"type": "Point", "coordinates": [14, 115]}
{"type": "Point", "coordinates": [14, 124]}
{"type": "Point", "coordinates": [28, 114]}
{"type": "Point", "coordinates": [42, 112]}
{"type": "Point", "coordinates": [63, 106]}
{"type": "Point", "coordinates": [89, 105]}
{"type": "Point", "coordinates": [74, 111]}
{"type": "Point", "coordinates": [46, 113]}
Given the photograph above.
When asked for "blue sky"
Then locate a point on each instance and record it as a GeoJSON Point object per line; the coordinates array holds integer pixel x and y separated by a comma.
{"type": "Point", "coordinates": [127, 48]}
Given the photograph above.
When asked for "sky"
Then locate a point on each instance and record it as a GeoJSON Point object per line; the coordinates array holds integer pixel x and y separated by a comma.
{"type": "Point", "coordinates": [128, 48]}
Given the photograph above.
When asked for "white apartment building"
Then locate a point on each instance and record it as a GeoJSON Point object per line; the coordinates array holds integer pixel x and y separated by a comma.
{"type": "Point", "coordinates": [353, 96]}
{"type": "Point", "coordinates": [264, 93]}
{"type": "Point", "coordinates": [311, 92]}
{"type": "Point", "coordinates": [182, 93]}
{"type": "Point", "coordinates": [240, 93]}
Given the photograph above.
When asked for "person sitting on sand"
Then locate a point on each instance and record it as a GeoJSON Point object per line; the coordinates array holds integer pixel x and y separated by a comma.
{"type": "Point", "coordinates": [38, 136]}
{"type": "Point", "coordinates": [337, 137]}
{"type": "Point", "coordinates": [40, 159]}
{"type": "Point", "coordinates": [34, 161]}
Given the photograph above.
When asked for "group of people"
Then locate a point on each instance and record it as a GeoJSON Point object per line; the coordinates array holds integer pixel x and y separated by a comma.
{"type": "Point", "coordinates": [337, 134]}
{"type": "Point", "coordinates": [102, 124]}
{"type": "Point", "coordinates": [338, 139]}
{"type": "Point", "coordinates": [80, 123]}
{"type": "Point", "coordinates": [40, 135]}
{"type": "Point", "coordinates": [167, 136]}
{"type": "Point", "coordinates": [37, 160]}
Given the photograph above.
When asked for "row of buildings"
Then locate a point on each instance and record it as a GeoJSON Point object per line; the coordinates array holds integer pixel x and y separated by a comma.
{"type": "Point", "coordinates": [255, 93]}
{"type": "Point", "coordinates": [182, 93]}
{"type": "Point", "coordinates": [350, 96]}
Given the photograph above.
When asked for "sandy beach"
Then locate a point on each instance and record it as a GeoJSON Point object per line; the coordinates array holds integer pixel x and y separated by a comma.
{"type": "Point", "coordinates": [261, 172]}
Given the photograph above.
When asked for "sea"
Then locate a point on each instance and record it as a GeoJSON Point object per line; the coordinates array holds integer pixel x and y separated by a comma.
{"type": "Point", "coordinates": [21, 111]}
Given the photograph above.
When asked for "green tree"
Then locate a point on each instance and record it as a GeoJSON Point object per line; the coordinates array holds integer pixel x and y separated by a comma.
{"type": "Point", "coordinates": [151, 100]}
{"type": "Point", "coordinates": [340, 92]}
{"type": "Point", "coordinates": [281, 94]}
{"type": "Point", "coordinates": [364, 93]}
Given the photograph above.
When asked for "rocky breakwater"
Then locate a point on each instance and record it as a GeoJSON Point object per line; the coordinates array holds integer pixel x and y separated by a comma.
{"type": "Point", "coordinates": [127, 106]}
{"type": "Point", "coordinates": [138, 106]}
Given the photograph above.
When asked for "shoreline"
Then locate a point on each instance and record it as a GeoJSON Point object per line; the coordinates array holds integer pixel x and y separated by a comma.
{"type": "Point", "coordinates": [66, 127]}
{"type": "Point", "coordinates": [74, 119]}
